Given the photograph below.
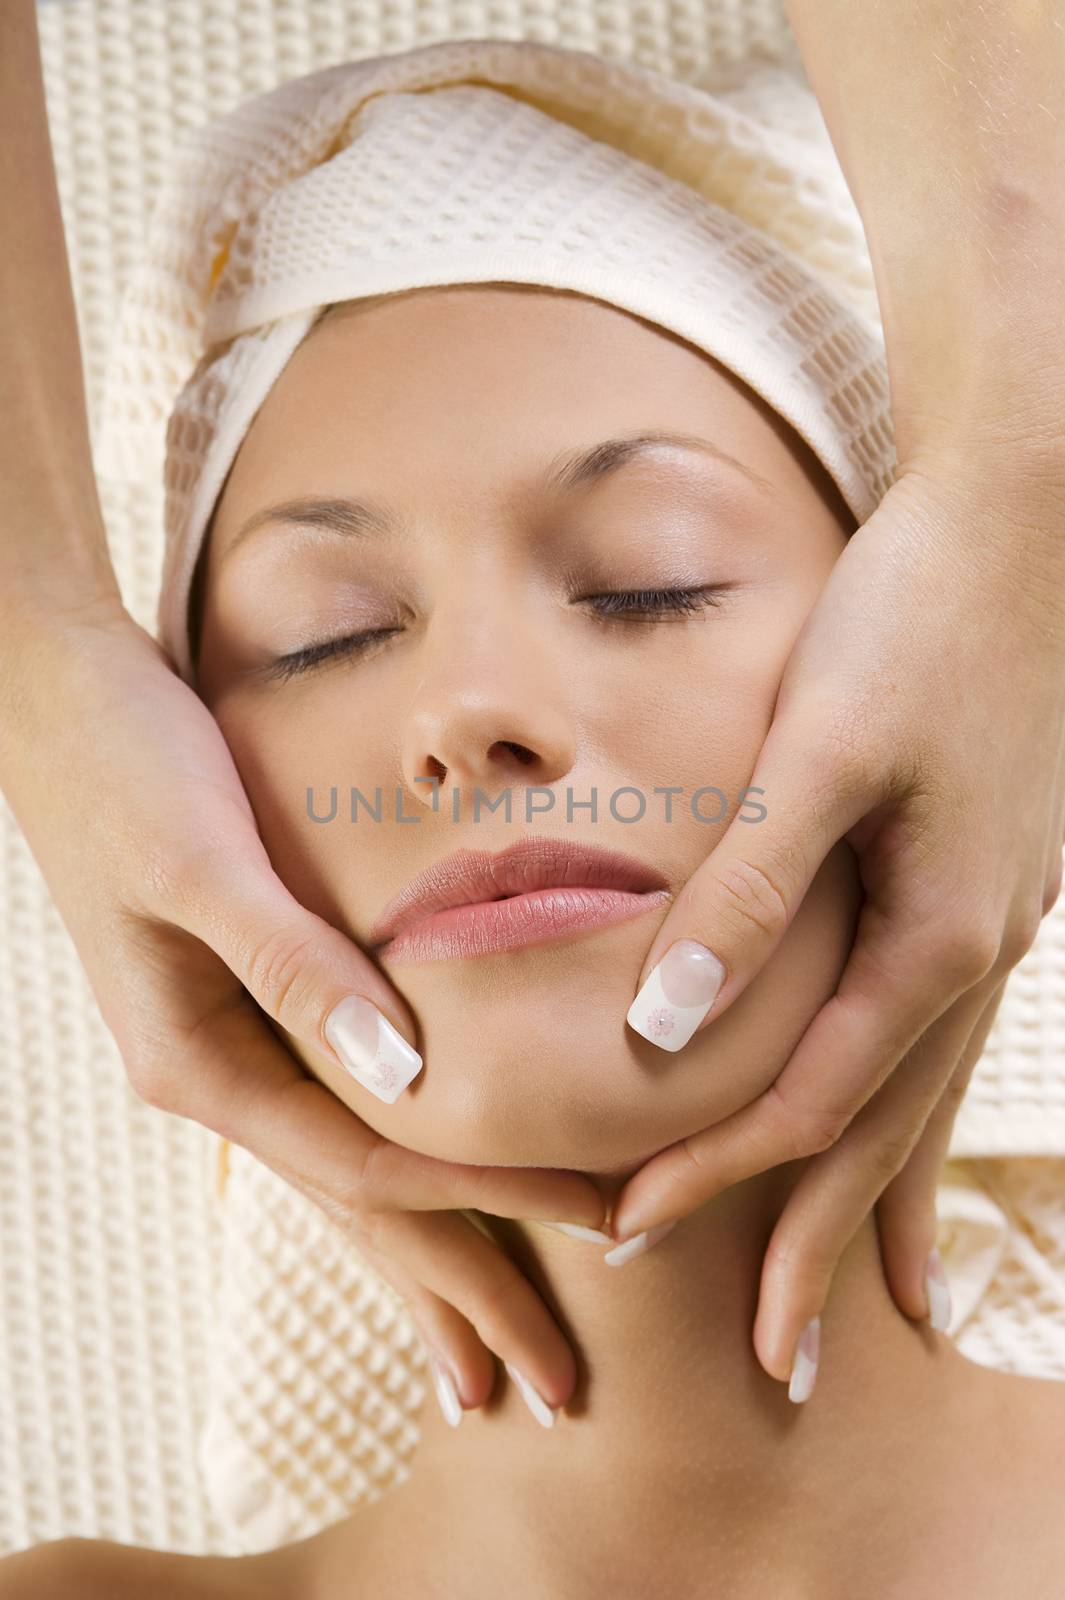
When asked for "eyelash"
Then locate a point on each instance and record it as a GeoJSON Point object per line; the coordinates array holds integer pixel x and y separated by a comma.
{"type": "Point", "coordinates": [630, 605]}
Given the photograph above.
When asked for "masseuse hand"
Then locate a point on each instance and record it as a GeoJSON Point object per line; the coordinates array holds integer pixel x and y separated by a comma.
{"type": "Point", "coordinates": [920, 718]}
{"type": "Point", "coordinates": [131, 803]}
{"type": "Point", "coordinates": [921, 714]}
{"type": "Point", "coordinates": [129, 798]}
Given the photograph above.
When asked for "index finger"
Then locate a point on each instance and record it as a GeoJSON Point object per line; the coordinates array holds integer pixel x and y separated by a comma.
{"type": "Point", "coordinates": [900, 977]}
{"type": "Point", "coordinates": [733, 912]}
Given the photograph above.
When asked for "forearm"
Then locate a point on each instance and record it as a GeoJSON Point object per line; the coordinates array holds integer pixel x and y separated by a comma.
{"type": "Point", "coordinates": [53, 546]}
{"type": "Point", "coordinates": [948, 118]}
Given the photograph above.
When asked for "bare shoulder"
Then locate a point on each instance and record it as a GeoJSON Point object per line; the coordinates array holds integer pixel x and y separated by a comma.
{"type": "Point", "coordinates": [99, 1569]}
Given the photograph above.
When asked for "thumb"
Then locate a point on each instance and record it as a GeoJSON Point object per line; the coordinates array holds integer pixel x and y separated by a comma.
{"type": "Point", "coordinates": [732, 913]}
{"type": "Point", "coordinates": [306, 975]}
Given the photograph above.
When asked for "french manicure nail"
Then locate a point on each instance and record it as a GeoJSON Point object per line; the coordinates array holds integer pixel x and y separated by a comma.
{"type": "Point", "coordinates": [638, 1244]}
{"type": "Point", "coordinates": [446, 1392]}
{"type": "Point", "coordinates": [937, 1289]}
{"type": "Point", "coordinates": [804, 1370]}
{"type": "Point", "coordinates": [575, 1231]}
{"type": "Point", "coordinates": [678, 992]}
{"type": "Point", "coordinates": [539, 1407]}
{"type": "Point", "coordinates": [371, 1049]}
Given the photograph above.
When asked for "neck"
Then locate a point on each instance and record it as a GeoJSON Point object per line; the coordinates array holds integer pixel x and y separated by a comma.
{"type": "Point", "coordinates": [677, 1455]}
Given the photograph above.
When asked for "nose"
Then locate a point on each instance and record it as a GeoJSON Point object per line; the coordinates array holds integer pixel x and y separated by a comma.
{"type": "Point", "coordinates": [492, 708]}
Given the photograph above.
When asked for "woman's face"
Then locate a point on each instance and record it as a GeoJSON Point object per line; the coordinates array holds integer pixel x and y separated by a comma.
{"type": "Point", "coordinates": [479, 572]}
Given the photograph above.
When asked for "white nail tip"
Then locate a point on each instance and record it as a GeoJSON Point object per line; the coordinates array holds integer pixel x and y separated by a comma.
{"type": "Point", "coordinates": [375, 1054]}
{"type": "Point", "coordinates": [938, 1290]}
{"type": "Point", "coordinates": [637, 1245]}
{"type": "Point", "coordinates": [539, 1407]}
{"type": "Point", "coordinates": [656, 1018]}
{"type": "Point", "coordinates": [446, 1392]}
{"type": "Point", "coordinates": [804, 1370]}
{"type": "Point", "coordinates": [575, 1231]}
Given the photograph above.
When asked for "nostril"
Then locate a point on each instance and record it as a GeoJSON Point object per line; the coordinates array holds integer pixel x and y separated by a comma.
{"type": "Point", "coordinates": [523, 753]}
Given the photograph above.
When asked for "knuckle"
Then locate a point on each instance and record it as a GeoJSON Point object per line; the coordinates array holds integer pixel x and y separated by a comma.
{"type": "Point", "coordinates": [347, 1206]}
{"type": "Point", "coordinates": [1019, 937]}
{"type": "Point", "coordinates": [477, 1188]}
{"type": "Point", "coordinates": [803, 1133]}
{"type": "Point", "coordinates": [695, 1163]}
{"type": "Point", "coordinates": [171, 877]}
{"type": "Point", "coordinates": [755, 897]}
{"type": "Point", "coordinates": [275, 971]}
{"type": "Point", "coordinates": [816, 1134]}
{"type": "Point", "coordinates": [796, 1257]}
{"type": "Point", "coordinates": [357, 1193]}
{"type": "Point", "coordinates": [363, 1229]}
{"type": "Point", "coordinates": [954, 1093]}
{"type": "Point", "coordinates": [887, 1158]}
{"type": "Point", "coordinates": [150, 1084]}
{"type": "Point", "coordinates": [152, 1076]}
{"type": "Point", "coordinates": [965, 955]}
{"type": "Point", "coordinates": [838, 749]}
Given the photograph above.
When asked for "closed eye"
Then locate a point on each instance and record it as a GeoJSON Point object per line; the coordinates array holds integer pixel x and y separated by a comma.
{"type": "Point", "coordinates": [653, 604]}
{"type": "Point", "coordinates": [631, 605]}
{"type": "Point", "coordinates": [312, 655]}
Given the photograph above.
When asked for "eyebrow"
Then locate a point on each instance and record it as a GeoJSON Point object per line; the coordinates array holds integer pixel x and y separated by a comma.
{"type": "Point", "coordinates": [350, 517]}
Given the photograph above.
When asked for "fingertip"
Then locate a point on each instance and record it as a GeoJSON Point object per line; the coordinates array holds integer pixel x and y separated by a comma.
{"type": "Point", "coordinates": [446, 1390]}
{"type": "Point", "coordinates": [774, 1346]}
{"type": "Point", "coordinates": [937, 1292]}
{"type": "Point", "coordinates": [805, 1362]}
{"type": "Point", "coordinates": [676, 996]}
{"type": "Point", "coordinates": [906, 1248]}
{"type": "Point", "coordinates": [370, 1049]}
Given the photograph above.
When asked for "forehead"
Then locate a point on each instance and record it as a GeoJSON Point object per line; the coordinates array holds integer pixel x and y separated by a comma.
{"type": "Point", "coordinates": [459, 388]}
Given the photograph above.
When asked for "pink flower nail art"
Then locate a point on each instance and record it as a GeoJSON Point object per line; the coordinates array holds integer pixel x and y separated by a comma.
{"type": "Point", "coordinates": [661, 1021]}
{"type": "Point", "coordinates": [385, 1075]}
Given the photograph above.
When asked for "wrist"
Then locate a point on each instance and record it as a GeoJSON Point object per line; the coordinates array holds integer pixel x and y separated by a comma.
{"type": "Point", "coordinates": [46, 641]}
{"type": "Point", "coordinates": [999, 408]}
{"type": "Point", "coordinates": [67, 579]}
{"type": "Point", "coordinates": [999, 516]}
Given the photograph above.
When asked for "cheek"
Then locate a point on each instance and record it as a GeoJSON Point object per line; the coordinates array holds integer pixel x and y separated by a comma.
{"type": "Point", "coordinates": [328, 747]}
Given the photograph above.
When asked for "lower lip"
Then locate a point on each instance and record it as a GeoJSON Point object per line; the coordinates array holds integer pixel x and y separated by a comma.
{"type": "Point", "coordinates": [487, 926]}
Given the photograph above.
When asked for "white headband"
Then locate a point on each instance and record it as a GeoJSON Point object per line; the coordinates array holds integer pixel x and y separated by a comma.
{"type": "Point", "coordinates": [476, 161]}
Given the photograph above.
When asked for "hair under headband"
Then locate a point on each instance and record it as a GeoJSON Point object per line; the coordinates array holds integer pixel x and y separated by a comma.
{"type": "Point", "coordinates": [477, 161]}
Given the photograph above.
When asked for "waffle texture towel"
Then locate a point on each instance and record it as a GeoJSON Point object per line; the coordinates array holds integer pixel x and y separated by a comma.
{"type": "Point", "coordinates": [136, 1307]}
{"type": "Point", "coordinates": [722, 216]}
{"type": "Point", "coordinates": [478, 161]}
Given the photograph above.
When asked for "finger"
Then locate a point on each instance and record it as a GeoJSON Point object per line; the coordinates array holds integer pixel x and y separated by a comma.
{"type": "Point", "coordinates": [234, 1076]}
{"type": "Point", "coordinates": [906, 1212]}
{"type": "Point", "coordinates": [838, 1190]}
{"type": "Point", "coordinates": [469, 1270]}
{"type": "Point", "coordinates": [732, 913]}
{"type": "Point", "coordinates": [308, 977]}
{"type": "Point", "coordinates": [901, 975]}
{"type": "Point", "coordinates": [468, 1367]}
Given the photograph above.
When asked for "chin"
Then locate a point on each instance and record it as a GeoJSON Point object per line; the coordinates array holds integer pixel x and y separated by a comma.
{"type": "Point", "coordinates": [529, 1060]}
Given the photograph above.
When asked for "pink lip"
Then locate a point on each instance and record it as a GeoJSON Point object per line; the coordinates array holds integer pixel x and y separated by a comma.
{"type": "Point", "coordinates": [474, 903]}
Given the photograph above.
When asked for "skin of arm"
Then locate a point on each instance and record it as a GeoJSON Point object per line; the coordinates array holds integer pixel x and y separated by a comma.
{"type": "Point", "coordinates": [53, 544]}
{"type": "Point", "coordinates": [948, 119]}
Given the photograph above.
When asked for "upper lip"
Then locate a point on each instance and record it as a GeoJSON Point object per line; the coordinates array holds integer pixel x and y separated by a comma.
{"type": "Point", "coordinates": [531, 863]}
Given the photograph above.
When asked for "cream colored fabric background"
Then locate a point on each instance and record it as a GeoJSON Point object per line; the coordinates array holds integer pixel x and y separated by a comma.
{"type": "Point", "coordinates": [174, 1372]}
